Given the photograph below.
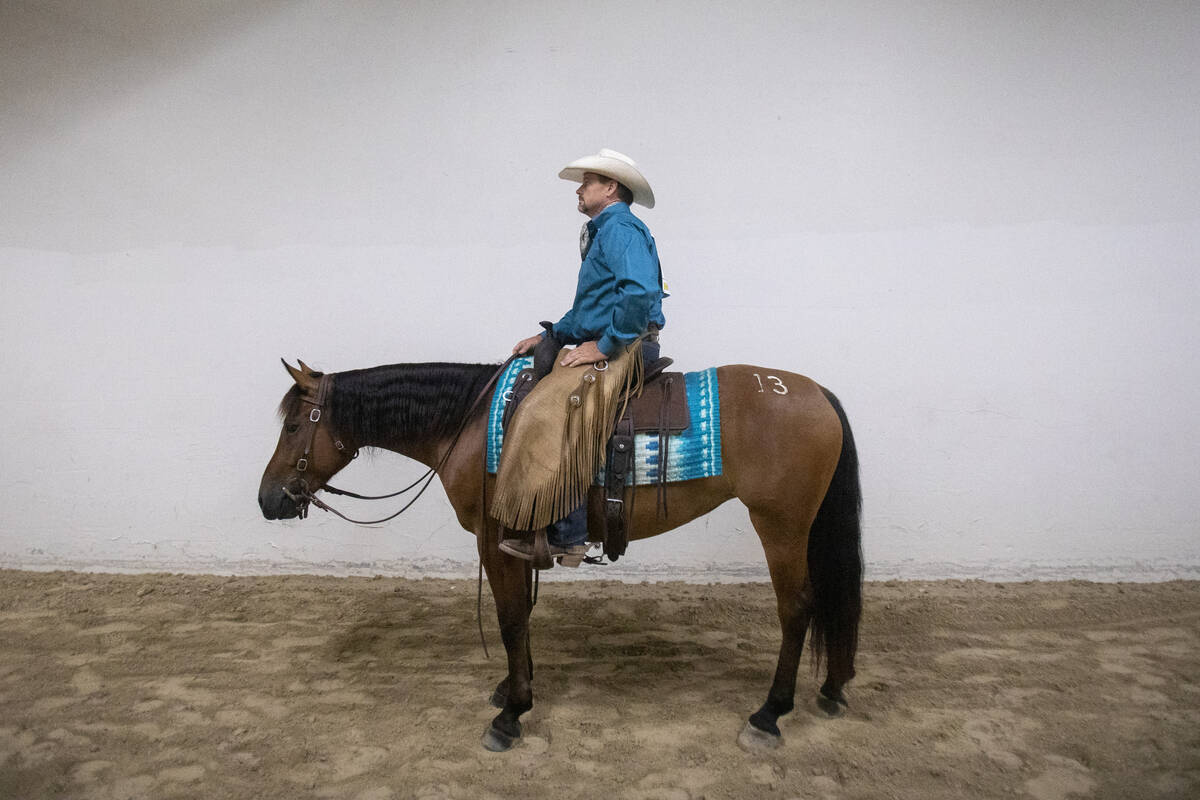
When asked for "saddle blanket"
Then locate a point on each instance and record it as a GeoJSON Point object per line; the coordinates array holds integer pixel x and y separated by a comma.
{"type": "Point", "coordinates": [694, 453]}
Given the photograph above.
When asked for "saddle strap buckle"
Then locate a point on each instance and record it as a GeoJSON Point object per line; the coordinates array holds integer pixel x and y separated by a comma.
{"type": "Point", "coordinates": [620, 460]}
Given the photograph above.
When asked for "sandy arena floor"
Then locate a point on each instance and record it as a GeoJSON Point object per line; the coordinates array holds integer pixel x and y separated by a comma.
{"type": "Point", "coordinates": [169, 686]}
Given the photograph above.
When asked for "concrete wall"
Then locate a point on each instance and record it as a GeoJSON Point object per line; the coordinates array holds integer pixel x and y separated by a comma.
{"type": "Point", "coordinates": [977, 223]}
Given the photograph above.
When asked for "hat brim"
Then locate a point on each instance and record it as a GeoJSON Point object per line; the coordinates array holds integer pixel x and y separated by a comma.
{"type": "Point", "coordinates": [616, 169]}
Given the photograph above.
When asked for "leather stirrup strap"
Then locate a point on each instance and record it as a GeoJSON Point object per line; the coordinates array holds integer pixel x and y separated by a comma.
{"type": "Point", "coordinates": [541, 550]}
{"type": "Point", "coordinates": [664, 444]}
{"type": "Point", "coordinates": [620, 460]}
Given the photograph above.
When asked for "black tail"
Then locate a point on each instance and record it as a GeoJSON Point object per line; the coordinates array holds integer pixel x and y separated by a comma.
{"type": "Point", "coordinates": [835, 562]}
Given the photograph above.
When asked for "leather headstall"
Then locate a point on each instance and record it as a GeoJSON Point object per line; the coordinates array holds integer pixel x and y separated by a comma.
{"type": "Point", "coordinates": [302, 497]}
{"type": "Point", "coordinates": [324, 387]}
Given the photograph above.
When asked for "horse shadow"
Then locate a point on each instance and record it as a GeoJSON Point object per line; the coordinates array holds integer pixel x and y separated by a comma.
{"type": "Point", "coordinates": [611, 646]}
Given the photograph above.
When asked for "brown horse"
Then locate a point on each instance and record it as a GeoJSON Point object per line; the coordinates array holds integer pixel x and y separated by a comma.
{"type": "Point", "coordinates": [787, 453]}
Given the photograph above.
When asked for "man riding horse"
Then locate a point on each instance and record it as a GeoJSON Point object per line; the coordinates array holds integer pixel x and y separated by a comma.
{"type": "Point", "coordinates": [618, 301]}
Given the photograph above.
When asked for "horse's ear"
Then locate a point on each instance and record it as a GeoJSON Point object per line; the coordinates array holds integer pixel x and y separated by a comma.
{"type": "Point", "coordinates": [307, 368]}
{"type": "Point", "coordinates": [303, 379]}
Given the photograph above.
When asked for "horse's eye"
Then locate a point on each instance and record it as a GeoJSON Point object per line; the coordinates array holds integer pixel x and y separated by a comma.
{"type": "Point", "coordinates": [291, 427]}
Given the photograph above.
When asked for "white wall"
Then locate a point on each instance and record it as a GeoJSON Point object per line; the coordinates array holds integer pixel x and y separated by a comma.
{"type": "Point", "coordinates": [977, 223]}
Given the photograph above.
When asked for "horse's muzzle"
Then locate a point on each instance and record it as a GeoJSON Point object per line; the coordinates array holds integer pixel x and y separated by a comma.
{"type": "Point", "coordinates": [282, 502]}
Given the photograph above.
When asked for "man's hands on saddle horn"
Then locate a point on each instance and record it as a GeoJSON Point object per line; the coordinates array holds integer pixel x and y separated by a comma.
{"type": "Point", "coordinates": [586, 353]}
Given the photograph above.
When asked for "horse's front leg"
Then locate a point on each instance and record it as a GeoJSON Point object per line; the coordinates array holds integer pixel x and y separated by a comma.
{"type": "Point", "coordinates": [500, 695]}
{"type": "Point", "coordinates": [509, 578]}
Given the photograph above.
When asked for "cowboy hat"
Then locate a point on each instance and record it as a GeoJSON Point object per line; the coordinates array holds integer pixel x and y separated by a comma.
{"type": "Point", "coordinates": [617, 166]}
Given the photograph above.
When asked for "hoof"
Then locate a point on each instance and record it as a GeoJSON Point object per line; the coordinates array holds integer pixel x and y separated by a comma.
{"type": "Point", "coordinates": [832, 706]}
{"type": "Point", "coordinates": [497, 740]}
{"type": "Point", "coordinates": [753, 740]}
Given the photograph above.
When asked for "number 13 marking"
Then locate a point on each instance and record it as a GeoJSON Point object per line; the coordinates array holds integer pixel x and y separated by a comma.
{"type": "Point", "coordinates": [778, 388]}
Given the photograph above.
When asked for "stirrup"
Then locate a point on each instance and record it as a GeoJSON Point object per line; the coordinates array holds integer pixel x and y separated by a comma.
{"type": "Point", "coordinates": [538, 553]}
{"type": "Point", "coordinates": [572, 559]}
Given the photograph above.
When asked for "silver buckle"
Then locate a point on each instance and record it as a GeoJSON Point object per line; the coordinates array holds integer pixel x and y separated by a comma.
{"type": "Point", "coordinates": [302, 464]}
{"type": "Point", "coordinates": [314, 415]}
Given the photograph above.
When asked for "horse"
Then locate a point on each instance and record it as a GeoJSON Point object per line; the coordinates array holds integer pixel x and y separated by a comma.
{"type": "Point", "coordinates": [787, 453]}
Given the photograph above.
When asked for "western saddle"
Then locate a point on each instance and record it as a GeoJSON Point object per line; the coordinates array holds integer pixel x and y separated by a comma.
{"type": "Point", "coordinates": [661, 407]}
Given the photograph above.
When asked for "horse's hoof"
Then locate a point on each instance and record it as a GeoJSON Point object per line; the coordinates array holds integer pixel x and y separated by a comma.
{"type": "Point", "coordinates": [498, 699]}
{"type": "Point", "coordinates": [753, 740]}
{"type": "Point", "coordinates": [497, 740]}
{"type": "Point", "coordinates": [832, 706]}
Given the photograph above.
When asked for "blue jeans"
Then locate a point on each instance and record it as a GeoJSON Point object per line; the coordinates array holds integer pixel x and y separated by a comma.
{"type": "Point", "coordinates": [571, 530]}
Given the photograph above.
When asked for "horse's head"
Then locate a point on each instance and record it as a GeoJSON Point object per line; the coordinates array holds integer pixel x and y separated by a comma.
{"type": "Point", "coordinates": [309, 452]}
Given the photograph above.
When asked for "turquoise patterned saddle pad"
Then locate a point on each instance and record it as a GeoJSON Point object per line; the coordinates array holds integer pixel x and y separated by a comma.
{"type": "Point", "coordinates": [694, 453]}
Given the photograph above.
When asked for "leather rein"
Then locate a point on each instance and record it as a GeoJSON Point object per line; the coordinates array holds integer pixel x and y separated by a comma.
{"type": "Point", "coordinates": [303, 497]}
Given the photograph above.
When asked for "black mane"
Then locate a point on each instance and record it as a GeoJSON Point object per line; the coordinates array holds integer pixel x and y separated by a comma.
{"type": "Point", "coordinates": [410, 402]}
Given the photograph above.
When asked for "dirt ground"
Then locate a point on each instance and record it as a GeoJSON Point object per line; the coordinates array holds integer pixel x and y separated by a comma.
{"type": "Point", "coordinates": [166, 686]}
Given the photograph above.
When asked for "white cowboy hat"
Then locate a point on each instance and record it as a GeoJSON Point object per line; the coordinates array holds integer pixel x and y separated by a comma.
{"type": "Point", "coordinates": [617, 166]}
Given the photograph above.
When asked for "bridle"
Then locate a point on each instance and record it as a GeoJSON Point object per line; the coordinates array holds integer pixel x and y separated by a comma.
{"type": "Point", "coordinates": [302, 496]}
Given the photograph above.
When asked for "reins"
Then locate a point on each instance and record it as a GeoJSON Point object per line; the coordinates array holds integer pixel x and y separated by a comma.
{"type": "Point", "coordinates": [304, 496]}
{"type": "Point", "coordinates": [343, 492]}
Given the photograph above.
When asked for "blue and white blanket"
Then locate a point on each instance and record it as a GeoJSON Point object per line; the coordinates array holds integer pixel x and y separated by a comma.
{"type": "Point", "coordinates": [694, 453]}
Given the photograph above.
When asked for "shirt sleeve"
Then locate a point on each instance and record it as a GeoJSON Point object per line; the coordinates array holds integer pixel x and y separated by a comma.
{"type": "Point", "coordinates": [563, 326]}
{"type": "Point", "coordinates": [631, 259]}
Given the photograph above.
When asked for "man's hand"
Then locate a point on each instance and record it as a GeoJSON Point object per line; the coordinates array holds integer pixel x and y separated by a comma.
{"type": "Point", "coordinates": [525, 345]}
{"type": "Point", "coordinates": [586, 353]}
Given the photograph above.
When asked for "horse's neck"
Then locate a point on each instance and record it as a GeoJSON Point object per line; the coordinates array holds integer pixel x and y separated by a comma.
{"type": "Point", "coordinates": [427, 452]}
{"type": "Point", "coordinates": [411, 409]}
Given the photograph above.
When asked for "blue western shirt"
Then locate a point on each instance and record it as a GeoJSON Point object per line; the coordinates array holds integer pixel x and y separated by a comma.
{"type": "Point", "coordinates": [619, 292]}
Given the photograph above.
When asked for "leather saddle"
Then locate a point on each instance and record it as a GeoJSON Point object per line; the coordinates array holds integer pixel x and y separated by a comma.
{"type": "Point", "coordinates": [660, 408]}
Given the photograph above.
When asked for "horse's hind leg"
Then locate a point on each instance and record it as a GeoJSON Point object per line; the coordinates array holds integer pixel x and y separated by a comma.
{"type": "Point", "coordinates": [787, 561]}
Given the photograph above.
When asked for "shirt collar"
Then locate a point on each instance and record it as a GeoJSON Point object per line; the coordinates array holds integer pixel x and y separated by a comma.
{"type": "Point", "coordinates": [608, 213]}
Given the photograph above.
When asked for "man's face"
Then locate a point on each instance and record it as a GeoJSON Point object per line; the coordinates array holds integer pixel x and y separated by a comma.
{"type": "Point", "coordinates": [595, 193]}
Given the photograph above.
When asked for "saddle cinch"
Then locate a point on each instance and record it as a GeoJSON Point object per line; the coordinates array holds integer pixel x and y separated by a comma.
{"type": "Point", "coordinates": [661, 407]}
